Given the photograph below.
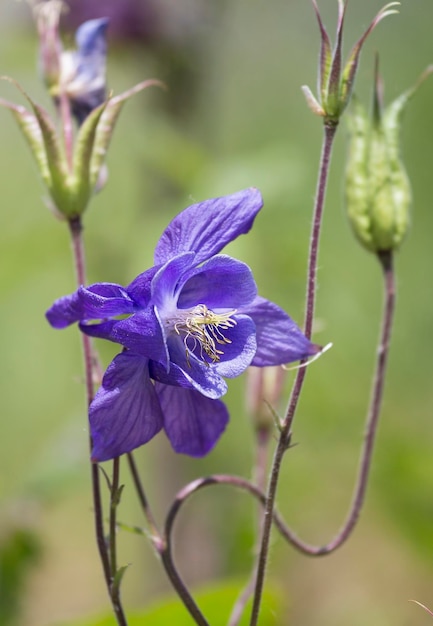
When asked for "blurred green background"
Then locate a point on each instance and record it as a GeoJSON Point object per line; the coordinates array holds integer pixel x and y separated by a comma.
{"type": "Point", "coordinates": [234, 116]}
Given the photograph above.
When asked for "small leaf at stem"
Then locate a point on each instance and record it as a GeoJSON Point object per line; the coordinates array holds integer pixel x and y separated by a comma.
{"type": "Point", "coordinates": [116, 496]}
{"type": "Point", "coordinates": [115, 588]}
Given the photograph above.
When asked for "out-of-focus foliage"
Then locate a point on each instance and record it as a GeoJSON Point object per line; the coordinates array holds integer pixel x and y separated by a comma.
{"type": "Point", "coordinates": [215, 603]}
{"type": "Point", "coordinates": [19, 550]}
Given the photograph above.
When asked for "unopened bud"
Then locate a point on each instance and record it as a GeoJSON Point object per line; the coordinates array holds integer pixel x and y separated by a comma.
{"type": "Point", "coordinates": [378, 194]}
{"type": "Point", "coordinates": [83, 70]}
{"type": "Point", "coordinates": [47, 16]}
{"type": "Point", "coordinates": [335, 81]}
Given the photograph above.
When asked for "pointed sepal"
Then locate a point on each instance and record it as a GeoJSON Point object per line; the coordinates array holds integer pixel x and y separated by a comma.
{"type": "Point", "coordinates": [107, 123]}
{"type": "Point", "coordinates": [45, 147]}
{"type": "Point", "coordinates": [335, 83]}
{"type": "Point", "coordinates": [81, 182]}
{"type": "Point", "coordinates": [325, 58]}
{"type": "Point", "coordinates": [349, 72]}
{"type": "Point", "coordinates": [313, 104]}
{"type": "Point", "coordinates": [31, 131]}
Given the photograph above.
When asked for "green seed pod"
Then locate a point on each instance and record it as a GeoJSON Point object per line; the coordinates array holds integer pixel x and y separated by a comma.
{"type": "Point", "coordinates": [378, 194]}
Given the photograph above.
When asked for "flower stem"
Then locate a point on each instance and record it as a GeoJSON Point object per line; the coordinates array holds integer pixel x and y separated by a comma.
{"type": "Point", "coordinates": [76, 230]}
{"type": "Point", "coordinates": [284, 440]}
{"type": "Point", "coordinates": [162, 545]}
{"type": "Point", "coordinates": [144, 503]}
{"type": "Point", "coordinates": [386, 260]}
{"type": "Point", "coordinates": [262, 445]}
{"type": "Point", "coordinates": [114, 501]}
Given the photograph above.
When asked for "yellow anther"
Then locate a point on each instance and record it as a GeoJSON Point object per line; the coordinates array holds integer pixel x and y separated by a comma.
{"type": "Point", "coordinates": [204, 328]}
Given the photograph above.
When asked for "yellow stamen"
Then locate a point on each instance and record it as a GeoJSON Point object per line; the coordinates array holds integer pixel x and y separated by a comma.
{"type": "Point", "coordinates": [203, 327]}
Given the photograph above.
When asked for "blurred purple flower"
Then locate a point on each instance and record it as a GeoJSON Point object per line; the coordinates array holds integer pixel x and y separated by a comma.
{"type": "Point", "coordinates": [186, 323]}
{"type": "Point", "coordinates": [83, 70]}
{"type": "Point", "coordinates": [135, 19]}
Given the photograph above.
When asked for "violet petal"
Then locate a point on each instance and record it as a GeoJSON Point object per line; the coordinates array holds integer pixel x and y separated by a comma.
{"type": "Point", "coordinates": [279, 339]}
{"type": "Point", "coordinates": [125, 412]}
{"type": "Point", "coordinates": [168, 281]}
{"type": "Point", "coordinates": [239, 353]}
{"type": "Point", "coordinates": [140, 333]}
{"type": "Point", "coordinates": [208, 226]}
{"type": "Point", "coordinates": [222, 282]}
{"type": "Point", "coordinates": [203, 377]}
{"type": "Point", "coordinates": [94, 302]}
{"type": "Point", "coordinates": [139, 289]}
{"type": "Point", "coordinates": [192, 422]}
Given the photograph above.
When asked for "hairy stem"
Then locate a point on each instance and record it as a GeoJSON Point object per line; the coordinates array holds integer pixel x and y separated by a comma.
{"type": "Point", "coordinates": [114, 501]}
{"type": "Point", "coordinates": [386, 260]}
{"type": "Point", "coordinates": [76, 230]}
{"type": "Point", "coordinates": [284, 440]}
{"type": "Point", "coordinates": [163, 547]}
{"type": "Point", "coordinates": [262, 444]}
{"type": "Point", "coordinates": [142, 498]}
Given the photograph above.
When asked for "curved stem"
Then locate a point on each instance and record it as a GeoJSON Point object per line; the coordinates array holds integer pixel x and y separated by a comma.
{"type": "Point", "coordinates": [162, 545]}
{"type": "Point", "coordinates": [373, 414]}
{"type": "Point", "coordinates": [284, 440]}
{"type": "Point", "coordinates": [76, 230]}
{"type": "Point", "coordinates": [221, 479]}
{"type": "Point", "coordinates": [386, 260]}
{"type": "Point", "coordinates": [179, 585]}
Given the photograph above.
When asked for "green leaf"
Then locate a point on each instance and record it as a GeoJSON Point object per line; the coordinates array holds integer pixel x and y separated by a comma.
{"type": "Point", "coordinates": [216, 604]}
{"type": "Point", "coordinates": [118, 578]}
{"type": "Point", "coordinates": [117, 496]}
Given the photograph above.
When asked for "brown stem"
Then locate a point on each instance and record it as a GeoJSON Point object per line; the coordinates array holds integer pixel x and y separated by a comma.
{"type": "Point", "coordinates": [114, 495]}
{"type": "Point", "coordinates": [162, 545]}
{"type": "Point", "coordinates": [262, 445]}
{"type": "Point", "coordinates": [284, 440]}
{"type": "Point", "coordinates": [144, 503]}
{"type": "Point", "coordinates": [386, 260]}
{"type": "Point", "coordinates": [76, 230]}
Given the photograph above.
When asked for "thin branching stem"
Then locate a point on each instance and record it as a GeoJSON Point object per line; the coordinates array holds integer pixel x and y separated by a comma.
{"type": "Point", "coordinates": [163, 547]}
{"type": "Point", "coordinates": [114, 496]}
{"type": "Point", "coordinates": [220, 479]}
{"type": "Point", "coordinates": [284, 440]}
{"type": "Point", "coordinates": [142, 498]}
{"type": "Point", "coordinates": [261, 461]}
{"type": "Point", "coordinates": [386, 260]}
{"type": "Point", "coordinates": [76, 230]}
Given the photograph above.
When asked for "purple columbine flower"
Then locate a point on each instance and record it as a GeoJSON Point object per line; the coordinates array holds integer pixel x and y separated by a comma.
{"type": "Point", "coordinates": [187, 323]}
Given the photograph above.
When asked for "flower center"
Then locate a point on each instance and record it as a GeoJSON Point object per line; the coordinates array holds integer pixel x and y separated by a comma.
{"type": "Point", "coordinates": [203, 329]}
